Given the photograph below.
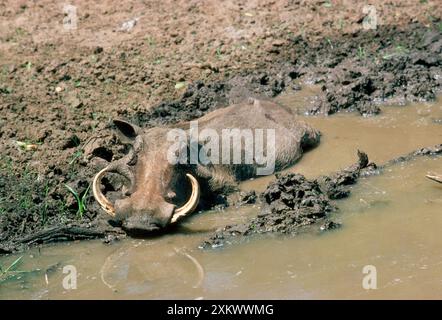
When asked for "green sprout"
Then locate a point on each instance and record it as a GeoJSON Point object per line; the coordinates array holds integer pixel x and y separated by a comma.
{"type": "Point", "coordinates": [398, 51]}
{"type": "Point", "coordinates": [6, 90]}
{"type": "Point", "coordinates": [218, 53]}
{"type": "Point", "coordinates": [81, 200]}
{"type": "Point", "coordinates": [361, 52]}
{"type": "Point", "coordinates": [11, 267]}
{"type": "Point", "coordinates": [151, 41]}
{"type": "Point", "coordinates": [157, 61]}
{"type": "Point", "coordinates": [330, 43]}
{"type": "Point", "coordinates": [77, 154]}
{"type": "Point", "coordinates": [341, 24]}
{"type": "Point", "coordinates": [44, 210]}
{"type": "Point", "coordinates": [11, 272]}
{"type": "Point", "coordinates": [327, 4]}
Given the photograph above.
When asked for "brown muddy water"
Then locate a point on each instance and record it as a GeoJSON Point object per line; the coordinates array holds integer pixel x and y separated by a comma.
{"type": "Point", "coordinates": [391, 222]}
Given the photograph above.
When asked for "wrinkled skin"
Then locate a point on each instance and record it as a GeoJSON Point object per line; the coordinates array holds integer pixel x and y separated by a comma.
{"type": "Point", "coordinates": [158, 187]}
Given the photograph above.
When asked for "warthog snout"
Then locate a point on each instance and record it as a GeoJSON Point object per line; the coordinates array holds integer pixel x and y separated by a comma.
{"type": "Point", "coordinates": [140, 218]}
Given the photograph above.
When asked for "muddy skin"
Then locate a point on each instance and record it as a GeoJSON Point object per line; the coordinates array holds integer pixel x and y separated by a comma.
{"type": "Point", "coordinates": [357, 71]}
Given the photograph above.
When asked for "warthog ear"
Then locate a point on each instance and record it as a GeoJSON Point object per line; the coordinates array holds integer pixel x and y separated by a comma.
{"type": "Point", "coordinates": [126, 129]}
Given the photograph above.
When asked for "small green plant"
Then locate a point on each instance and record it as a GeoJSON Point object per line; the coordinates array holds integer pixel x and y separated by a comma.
{"type": "Point", "coordinates": [341, 23]}
{"type": "Point", "coordinates": [151, 42]}
{"type": "Point", "coordinates": [330, 43]}
{"type": "Point", "coordinates": [399, 50]}
{"type": "Point", "coordinates": [44, 210]}
{"type": "Point", "coordinates": [81, 200]}
{"type": "Point", "coordinates": [157, 61]}
{"type": "Point", "coordinates": [10, 272]}
{"type": "Point", "coordinates": [6, 90]}
{"type": "Point", "coordinates": [218, 53]}
{"type": "Point", "coordinates": [77, 154]}
{"type": "Point", "coordinates": [361, 52]}
{"type": "Point", "coordinates": [327, 4]}
{"type": "Point", "coordinates": [21, 32]}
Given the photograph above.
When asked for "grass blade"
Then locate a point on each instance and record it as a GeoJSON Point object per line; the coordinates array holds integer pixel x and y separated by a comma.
{"type": "Point", "coordinates": [12, 266]}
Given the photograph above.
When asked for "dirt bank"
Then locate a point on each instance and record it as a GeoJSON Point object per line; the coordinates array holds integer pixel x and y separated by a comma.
{"type": "Point", "coordinates": [59, 89]}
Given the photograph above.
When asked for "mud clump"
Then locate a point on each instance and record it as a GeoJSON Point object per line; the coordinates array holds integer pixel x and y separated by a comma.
{"type": "Point", "coordinates": [292, 203]}
{"type": "Point", "coordinates": [248, 197]}
{"type": "Point", "coordinates": [359, 72]}
{"type": "Point", "coordinates": [427, 151]}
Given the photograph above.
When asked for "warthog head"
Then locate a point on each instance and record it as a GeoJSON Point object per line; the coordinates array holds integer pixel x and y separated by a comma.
{"type": "Point", "coordinates": [157, 193]}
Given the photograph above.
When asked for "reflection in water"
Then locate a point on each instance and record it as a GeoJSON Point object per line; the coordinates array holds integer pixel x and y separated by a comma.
{"type": "Point", "coordinates": [138, 271]}
{"type": "Point", "coordinates": [391, 221]}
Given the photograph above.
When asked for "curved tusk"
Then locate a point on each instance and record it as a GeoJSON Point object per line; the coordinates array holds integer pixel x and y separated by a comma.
{"type": "Point", "coordinates": [435, 177]}
{"type": "Point", "coordinates": [190, 205]}
{"type": "Point", "coordinates": [98, 195]}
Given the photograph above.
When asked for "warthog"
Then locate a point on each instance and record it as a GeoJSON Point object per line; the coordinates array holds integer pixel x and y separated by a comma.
{"type": "Point", "coordinates": [164, 185]}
